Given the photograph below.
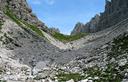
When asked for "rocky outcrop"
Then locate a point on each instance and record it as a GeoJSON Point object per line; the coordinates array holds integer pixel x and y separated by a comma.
{"type": "Point", "coordinates": [88, 27]}
{"type": "Point", "coordinates": [1, 17]}
{"type": "Point", "coordinates": [78, 28]}
{"type": "Point", "coordinates": [53, 30]}
{"type": "Point", "coordinates": [22, 11]}
{"type": "Point", "coordinates": [115, 11]}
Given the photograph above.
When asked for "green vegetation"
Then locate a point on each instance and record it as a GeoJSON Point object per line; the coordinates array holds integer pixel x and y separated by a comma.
{"type": "Point", "coordinates": [110, 74]}
{"type": "Point", "coordinates": [97, 74]}
{"type": "Point", "coordinates": [2, 70]}
{"type": "Point", "coordinates": [59, 36]}
{"type": "Point", "coordinates": [21, 23]}
{"type": "Point", "coordinates": [68, 38]}
{"type": "Point", "coordinates": [1, 25]}
{"type": "Point", "coordinates": [63, 77]}
{"type": "Point", "coordinates": [34, 28]}
{"type": "Point", "coordinates": [38, 78]}
{"type": "Point", "coordinates": [119, 47]}
{"type": "Point", "coordinates": [3, 81]}
{"type": "Point", "coordinates": [118, 50]}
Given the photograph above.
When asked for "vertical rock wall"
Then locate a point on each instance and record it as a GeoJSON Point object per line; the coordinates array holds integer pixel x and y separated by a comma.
{"type": "Point", "coordinates": [115, 12]}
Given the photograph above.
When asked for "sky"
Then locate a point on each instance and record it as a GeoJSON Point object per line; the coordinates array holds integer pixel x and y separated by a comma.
{"type": "Point", "coordinates": [64, 14]}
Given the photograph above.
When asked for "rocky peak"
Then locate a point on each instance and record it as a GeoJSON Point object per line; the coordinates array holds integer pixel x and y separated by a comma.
{"type": "Point", "coordinates": [93, 23]}
{"type": "Point", "coordinates": [53, 30]}
{"type": "Point", "coordinates": [115, 12]}
{"type": "Point", "coordinates": [78, 28]}
{"type": "Point", "coordinates": [88, 27]}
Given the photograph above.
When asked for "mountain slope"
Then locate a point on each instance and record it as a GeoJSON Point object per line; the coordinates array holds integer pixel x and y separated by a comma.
{"type": "Point", "coordinates": [28, 53]}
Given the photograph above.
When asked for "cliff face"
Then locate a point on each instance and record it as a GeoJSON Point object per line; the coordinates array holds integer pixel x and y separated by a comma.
{"type": "Point", "coordinates": [78, 28]}
{"type": "Point", "coordinates": [22, 11]}
{"type": "Point", "coordinates": [115, 11]}
{"type": "Point", "coordinates": [88, 27]}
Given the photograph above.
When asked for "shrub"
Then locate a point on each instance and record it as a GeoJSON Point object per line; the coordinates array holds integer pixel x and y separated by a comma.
{"type": "Point", "coordinates": [63, 77]}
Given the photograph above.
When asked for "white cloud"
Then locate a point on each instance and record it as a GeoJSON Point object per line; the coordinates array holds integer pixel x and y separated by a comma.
{"type": "Point", "coordinates": [39, 2]}
{"type": "Point", "coordinates": [50, 2]}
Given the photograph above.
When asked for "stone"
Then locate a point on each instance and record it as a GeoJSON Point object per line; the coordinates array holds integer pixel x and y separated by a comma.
{"type": "Point", "coordinates": [124, 80]}
{"type": "Point", "coordinates": [90, 81]}
{"type": "Point", "coordinates": [70, 80]}
{"type": "Point", "coordinates": [122, 62]}
{"type": "Point", "coordinates": [86, 80]}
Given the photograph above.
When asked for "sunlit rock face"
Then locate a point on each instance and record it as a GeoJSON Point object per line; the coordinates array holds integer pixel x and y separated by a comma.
{"type": "Point", "coordinates": [115, 12]}
{"type": "Point", "coordinates": [88, 27]}
{"type": "Point", "coordinates": [78, 28]}
{"type": "Point", "coordinates": [22, 11]}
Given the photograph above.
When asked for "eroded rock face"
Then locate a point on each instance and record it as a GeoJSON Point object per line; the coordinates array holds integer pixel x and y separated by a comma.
{"type": "Point", "coordinates": [78, 28]}
{"type": "Point", "coordinates": [115, 11]}
{"type": "Point", "coordinates": [88, 27]}
{"type": "Point", "coordinates": [22, 11]}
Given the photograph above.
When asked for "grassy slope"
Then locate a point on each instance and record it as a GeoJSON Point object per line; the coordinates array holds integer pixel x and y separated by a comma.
{"type": "Point", "coordinates": [63, 77]}
{"type": "Point", "coordinates": [10, 14]}
{"type": "Point", "coordinates": [59, 36]}
{"type": "Point", "coordinates": [68, 38]}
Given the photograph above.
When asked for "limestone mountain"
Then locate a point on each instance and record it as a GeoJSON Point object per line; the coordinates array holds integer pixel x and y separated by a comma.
{"type": "Point", "coordinates": [115, 11]}
{"type": "Point", "coordinates": [29, 53]}
{"type": "Point", "coordinates": [87, 28]}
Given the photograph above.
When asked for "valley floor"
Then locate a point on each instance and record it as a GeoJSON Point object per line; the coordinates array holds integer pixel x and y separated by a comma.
{"type": "Point", "coordinates": [98, 57]}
